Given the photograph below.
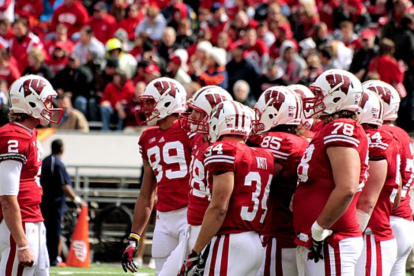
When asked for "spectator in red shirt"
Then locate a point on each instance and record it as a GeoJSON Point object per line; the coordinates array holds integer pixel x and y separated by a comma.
{"type": "Point", "coordinates": [73, 14]}
{"type": "Point", "coordinates": [102, 24]}
{"type": "Point", "coordinates": [60, 38]}
{"type": "Point", "coordinates": [127, 112]}
{"type": "Point", "coordinates": [256, 50]}
{"type": "Point", "coordinates": [385, 65]}
{"type": "Point", "coordinates": [130, 23]}
{"type": "Point", "coordinates": [6, 32]}
{"type": "Point", "coordinates": [117, 93]}
{"type": "Point", "coordinates": [21, 43]}
{"type": "Point", "coordinates": [218, 21]}
{"type": "Point", "coordinates": [58, 60]}
{"type": "Point", "coordinates": [33, 8]}
{"type": "Point", "coordinates": [118, 9]}
{"type": "Point", "coordinates": [8, 72]}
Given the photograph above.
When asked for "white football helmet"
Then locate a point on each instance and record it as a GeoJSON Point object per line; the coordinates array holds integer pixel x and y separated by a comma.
{"type": "Point", "coordinates": [161, 98]}
{"type": "Point", "coordinates": [277, 105]}
{"type": "Point", "coordinates": [303, 92]}
{"type": "Point", "coordinates": [230, 118]}
{"type": "Point", "coordinates": [33, 95]}
{"type": "Point", "coordinates": [388, 94]}
{"type": "Point", "coordinates": [371, 108]}
{"type": "Point", "coordinates": [335, 90]}
{"type": "Point", "coordinates": [203, 101]}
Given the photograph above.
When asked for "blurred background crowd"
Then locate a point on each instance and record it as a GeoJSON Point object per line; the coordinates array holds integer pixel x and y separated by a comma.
{"type": "Point", "coordinates": [100, 55]}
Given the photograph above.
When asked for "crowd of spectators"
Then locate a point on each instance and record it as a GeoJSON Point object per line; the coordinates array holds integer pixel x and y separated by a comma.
{"type": "Point", "coordinates": [100, 55]}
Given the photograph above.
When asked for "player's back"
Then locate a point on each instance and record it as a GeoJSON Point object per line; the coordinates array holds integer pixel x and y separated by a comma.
{"type": "Point", "coordinates": [253, 169]}
{"type": "Point", "coordinates": [316, 181]}
{"type": "Point", "coordinates": [406, 151]}
{"type": "Point", "coordinates": [287, 150]}
{"type": "Point", "coordinates": [19, 143]}
{"type": "Point", "coordinates": [168, 152]}
{"type": "Point", "coordinates": [382, 146]}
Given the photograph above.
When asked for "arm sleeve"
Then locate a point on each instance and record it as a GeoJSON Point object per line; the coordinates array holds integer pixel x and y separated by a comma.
{"type": "Point", "coordinates": [10, 171]}
{"type": "Point", "coordinates": [60, 172]}
{"type": "Point", "coordinates": [141, 146]}
{"type": "Point", "coordinates": [343, 133]}
{"type": "Point", "coordinates": [220, 157]}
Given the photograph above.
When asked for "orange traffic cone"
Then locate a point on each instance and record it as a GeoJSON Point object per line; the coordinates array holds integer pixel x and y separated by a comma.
{"type": "Point", "coordinates": [79, 248]}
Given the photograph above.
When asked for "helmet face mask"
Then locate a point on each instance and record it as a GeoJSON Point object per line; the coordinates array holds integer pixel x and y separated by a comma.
{"type": "Point", "coordinates": [49, 113]}
{"type": "Point", "coordinates": [313, 106]}
{"type": "Point", "coordinates": [194, 120]}
{"type": "Point", "coordinates": [147, 114]}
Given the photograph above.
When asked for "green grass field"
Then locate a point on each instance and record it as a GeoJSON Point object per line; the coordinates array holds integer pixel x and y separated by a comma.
{"type": "Point", "coordinates": [98, 269]}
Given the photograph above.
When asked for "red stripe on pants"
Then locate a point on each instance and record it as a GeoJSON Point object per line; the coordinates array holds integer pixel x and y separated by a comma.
{"type": "Point", "coordinates": [369, 255]}
{"type": "Point", "coordinates": [268, 258]}
{"type": "Point", "coordinates": [379, 258]}
{"type": "Point", "coordinates": [327, 259]}
{"type": "Point", "coordinates": [279, 268]}
{"type": "Point", "coordinates": [12, 256]}
{"type": "Point", "coordinates": [214, 256]}
{"type": "Point", "coordinates": [337, 254]}
{"type": "Point", "coordinates": [225, 256]}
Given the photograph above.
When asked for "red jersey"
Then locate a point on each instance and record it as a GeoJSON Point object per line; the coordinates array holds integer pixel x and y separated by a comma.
{"type": "Point", "coordinates": [406, 151]}
{"type": "Point", "coordinates": [383, 146]}
{"type": "Point", "coordinates": [103, 29]}
{"type": "Point", "coordinates": [316, 181]}
{"type": "Point", "coordinates": [256, 52]}
{"type": "Point", "coordinates": [32, 7]}
{"type": "Point", "coordinates": [20, 48]}
{"type": "Point", "coordinates": [114, 94]}
{"type": "Point", "coordinates": [19, 144]}
{"type": "Point", "coordinates": [199, 196]}
{"type": "Point", "coordinates": [51, 45]}
{"type": "Point", "coordinates": [9, 74]}
{"type": "Point", "coordinates": [74, 17]}
{"type": "Point", "coordinates": [253, 169]}
{"type": "Point", "coordinates": [130, 24]}
{"type": "Point", "coordinates": [288, 150]}
{"type": "Point", "coordinates": [169, 154]}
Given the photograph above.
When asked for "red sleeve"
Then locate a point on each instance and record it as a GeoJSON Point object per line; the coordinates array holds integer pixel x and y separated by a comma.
{"type": "Point", "coordinates": [378, 144]}
{"type": "Point", "coordinates": [343, 133]}
{"type": "Point", "coordinates": [263, 48]}
{"type": "Point", "coordinates": [220, 157]}
{"type": "Point", "coordinates": [14, 75]}
{"type": "Point", "coordinates": [14, 148]}
{"type": "Point", "coordinates": [39, 8]}
{"type": "Point", "coordinates": [211, 80]}
{"type": "Point", "coordinates": [55, 19]}
{"type": "Point", "coordinates": [141, 145]}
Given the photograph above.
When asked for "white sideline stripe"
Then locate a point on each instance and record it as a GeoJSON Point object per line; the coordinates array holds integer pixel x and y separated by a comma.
{"type": "Point", "coordinates": [94, 273]}
{"type": "Point", "coordinates": [340, 136]}
{"type": "Point", "coordinates": [279, 152]}
{"type": "Point", "coordinates": [218, 161]}
{"type": "Point", "coordinates": [341, 140]}
{"type": "Point", "coordinates": [220, 156]}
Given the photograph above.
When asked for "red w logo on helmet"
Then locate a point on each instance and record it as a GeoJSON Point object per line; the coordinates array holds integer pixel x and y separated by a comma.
{"type": "Point", "coordinates": [30, 86]}
{"type": "Point", "coordinates": [214, 99]}
{"type": "Point", "coordinates": [339, 81]}
{"type": "Point", "coordinates": [219, 108]}
{"type": "Point", "coordinates": [383, 92]}
{"type": "Point", "coordinates": [364, 99]}
{"type": "Point", "coordinates": [166, 87]}
{"type": "Point", "coordinates": [277, 97]}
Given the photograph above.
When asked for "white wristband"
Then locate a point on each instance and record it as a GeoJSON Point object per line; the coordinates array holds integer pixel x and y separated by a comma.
{"type": "Point", "coordinates": [77, 200]}
{"type": "Point", "coordinates": [23, 248]}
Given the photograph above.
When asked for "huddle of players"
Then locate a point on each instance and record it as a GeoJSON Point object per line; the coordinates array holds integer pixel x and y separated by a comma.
{"type": "Point", "coordinates": [326, 196]}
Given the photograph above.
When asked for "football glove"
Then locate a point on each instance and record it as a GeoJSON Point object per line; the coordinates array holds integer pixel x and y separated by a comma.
{"type": "Point", "coordinates": [130, 252]}
{"type": "Point", "coordinates": [318, 236]}
{"type": "Point", "coordinates": [191, 261]}
{"type": "Point", "coordinates": [316, 251]}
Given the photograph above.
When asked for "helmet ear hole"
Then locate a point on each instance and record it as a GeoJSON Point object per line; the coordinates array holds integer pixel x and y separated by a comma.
{"type": "Point", "coordinates": [337, 99]}
{"type": "Point", "coordinates": [214, 128]}
{"type": "Point", "coordinates": [32, 104]}
{"type": "Point", "coordinates": [271, 116]}
{"type": "Point", "coordinates": [167, 104]}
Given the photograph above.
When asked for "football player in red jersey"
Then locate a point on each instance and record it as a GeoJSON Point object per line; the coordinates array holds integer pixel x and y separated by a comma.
{"type": "Point", "coordinates": [278, 115]}
{"type": "Point", "coordinates": [22, 233]}
{"type": "Point", "coordinates": [331, 171]}
{"type": "Point", "coordinates": [239, 180]}
{"type": "Point", "coordinates": [195, 120]}
{"type": "Point", "coordinates": [166, 154]}
{"type": "Point", "coordinates": [380, 193]}
{"type": "Point", "coordinates": [401, 217]}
